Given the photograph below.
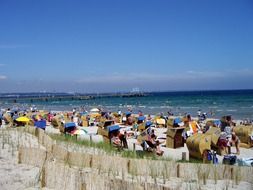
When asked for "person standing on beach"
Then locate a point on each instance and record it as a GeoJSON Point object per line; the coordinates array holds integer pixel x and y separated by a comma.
{"type": "Point", "coordinates": [227, 126]}
{"type": "Point", "coordinates": [193, 125]}
{"type": "Point", "coordinates": [199, 113]}
{"type": "Point", "coordinates": [1, 116]}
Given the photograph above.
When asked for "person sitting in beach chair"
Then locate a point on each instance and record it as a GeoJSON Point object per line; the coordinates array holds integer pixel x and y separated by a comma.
{"type": "Point", "coordinates": [152, 145]}
{"type": "Point", "coordinates": [117, 140]}
{"type": "Point", "coordinates": [122, 138]}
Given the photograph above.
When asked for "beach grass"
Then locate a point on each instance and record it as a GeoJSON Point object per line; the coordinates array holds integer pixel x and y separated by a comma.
{"type": "Point", "coordinates": [107, 148]}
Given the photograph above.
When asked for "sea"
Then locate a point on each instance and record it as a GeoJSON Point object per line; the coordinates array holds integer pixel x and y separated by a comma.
{"type": "Point", "coordinates": [237, 103]}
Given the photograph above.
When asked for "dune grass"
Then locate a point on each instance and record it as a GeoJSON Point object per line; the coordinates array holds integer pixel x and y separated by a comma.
{"type": "Point", "coordinates": [108, 148]}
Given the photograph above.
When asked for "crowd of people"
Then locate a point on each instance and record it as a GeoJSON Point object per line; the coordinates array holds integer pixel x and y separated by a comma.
{"type": "Point", "coordinates": [140, 124]}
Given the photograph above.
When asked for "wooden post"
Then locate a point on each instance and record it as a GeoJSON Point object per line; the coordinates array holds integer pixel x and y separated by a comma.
{"type": "Point", "coordinates": [90, 138]}
{"type": "Point", "coordinates": [134, 147]}
{"type": "Point", "coordinates": [91, 161]}
{"type": "Point", "coordinates": [128, 166]}
{"type": "Point", "coordinates": [83, 186]}
{"type": "Point", "coordinates": [19, 156]}
{"type": "Point", "coordinates": [178, 171]}
{"type": "Point", "coordinates": [43, 177]}
{"type": "Point", "coordinates": [36, 132]}
{"type": "Point", "coordinates": [183, 156]}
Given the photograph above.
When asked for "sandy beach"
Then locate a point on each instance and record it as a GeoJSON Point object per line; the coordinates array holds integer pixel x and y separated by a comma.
{"type": "Point", "coordinates": [26, 176]}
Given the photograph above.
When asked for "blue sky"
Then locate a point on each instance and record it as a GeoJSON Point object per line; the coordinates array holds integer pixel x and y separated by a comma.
{"type": "Point", "coordinates": [116, 45]}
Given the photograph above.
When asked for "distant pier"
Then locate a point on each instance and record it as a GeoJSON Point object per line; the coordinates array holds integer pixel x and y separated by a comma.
{"type": "Point", "coordinates": [51, 98]}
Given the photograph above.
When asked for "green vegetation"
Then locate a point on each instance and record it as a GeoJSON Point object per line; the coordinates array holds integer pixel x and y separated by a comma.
{"type": "Point", "coordinates": [107, 148]}
{"type": "Point", "coordinates": [191, 160]}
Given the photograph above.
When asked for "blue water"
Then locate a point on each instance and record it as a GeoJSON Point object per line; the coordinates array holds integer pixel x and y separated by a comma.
{"type": "Point", "coordinates": [238, 103]}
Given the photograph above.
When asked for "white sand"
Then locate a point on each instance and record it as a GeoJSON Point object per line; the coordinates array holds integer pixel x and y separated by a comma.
{"type": "Point", "coordinates": [14, 176]}
{"type": "Point", "coordinates": [20, 176]}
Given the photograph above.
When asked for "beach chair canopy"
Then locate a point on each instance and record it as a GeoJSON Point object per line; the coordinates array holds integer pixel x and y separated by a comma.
{"type": "Point", "coordinates": [69, 125]}
{"type": "Point", "coordinates": [113, 128]}
{"type": "Point", "coordinates": [107, 123]}
{"type": "Point", "coordinates": [40, 124]}
{"type": "Point", "coordinates": [177, 120]}
{"type": "Point", "coordinates": [141, 118]}
{"type": "Point", "coordinates": [128, 113]}
{"type": "Point", "coordinates": [148, 124]}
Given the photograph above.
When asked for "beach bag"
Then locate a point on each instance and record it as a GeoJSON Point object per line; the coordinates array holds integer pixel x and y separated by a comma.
{"type": "Point", "coordinates": [209, 156]}
{"type": "Point", "coordinates": [215, 159]}
{"type": "Point", "coordinates": [229, 159]}
{"type": "Point", "coordinates": [245, 162]}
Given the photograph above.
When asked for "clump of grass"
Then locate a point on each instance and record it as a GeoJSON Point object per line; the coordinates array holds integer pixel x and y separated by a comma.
{"type": "Point", "coordinates": [70, 139]}
{"type": "Point", "coordinates": [107, 148]}
{"type": "Point", "coordinates": [130, 154]}
{"type": "Point", "coordinates": [191, 160]}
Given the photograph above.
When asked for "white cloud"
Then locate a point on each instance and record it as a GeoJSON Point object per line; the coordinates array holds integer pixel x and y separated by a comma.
{"type": "Point", "coordinates": [2, 77]}
{"type": "Point", "coordinates": [187, 76]}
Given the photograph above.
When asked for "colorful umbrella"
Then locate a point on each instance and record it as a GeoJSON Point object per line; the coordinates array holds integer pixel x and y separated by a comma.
{"type": "Point", "coordinates": [94, 110]}
{"type": "Point", "coordinates": [23, 119]}
{"type": "Point", "coordinates": [160, 121]}
{"type": "Point", "coordinates": [79, 132]}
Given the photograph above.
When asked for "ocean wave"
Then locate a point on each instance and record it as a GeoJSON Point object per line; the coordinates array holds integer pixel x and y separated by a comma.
{"type": "Point", "coordinates": [189, 107]}
{"type": "Point", "coordinates": [232, 110]}
{"type": "Point", "coordinates": [167, 107]}
{"type": "Point", "coordinates": [111, 106]}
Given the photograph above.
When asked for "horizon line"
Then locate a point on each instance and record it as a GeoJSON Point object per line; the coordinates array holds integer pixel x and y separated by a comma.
{"type": "Point", "coordinates": [156, 91]}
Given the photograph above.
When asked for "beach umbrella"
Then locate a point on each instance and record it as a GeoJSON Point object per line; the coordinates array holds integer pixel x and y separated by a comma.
{"type": "Point", "coordinates": [94, 110]}
{"type": "Point", "coordinates": [160, 121]}
{"type": "Point", "coordinates": [79, 132]}
{"type": "Point", "coordinates": [93, 115]}
{"type": "Point", "coordinates": [23, 119]}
